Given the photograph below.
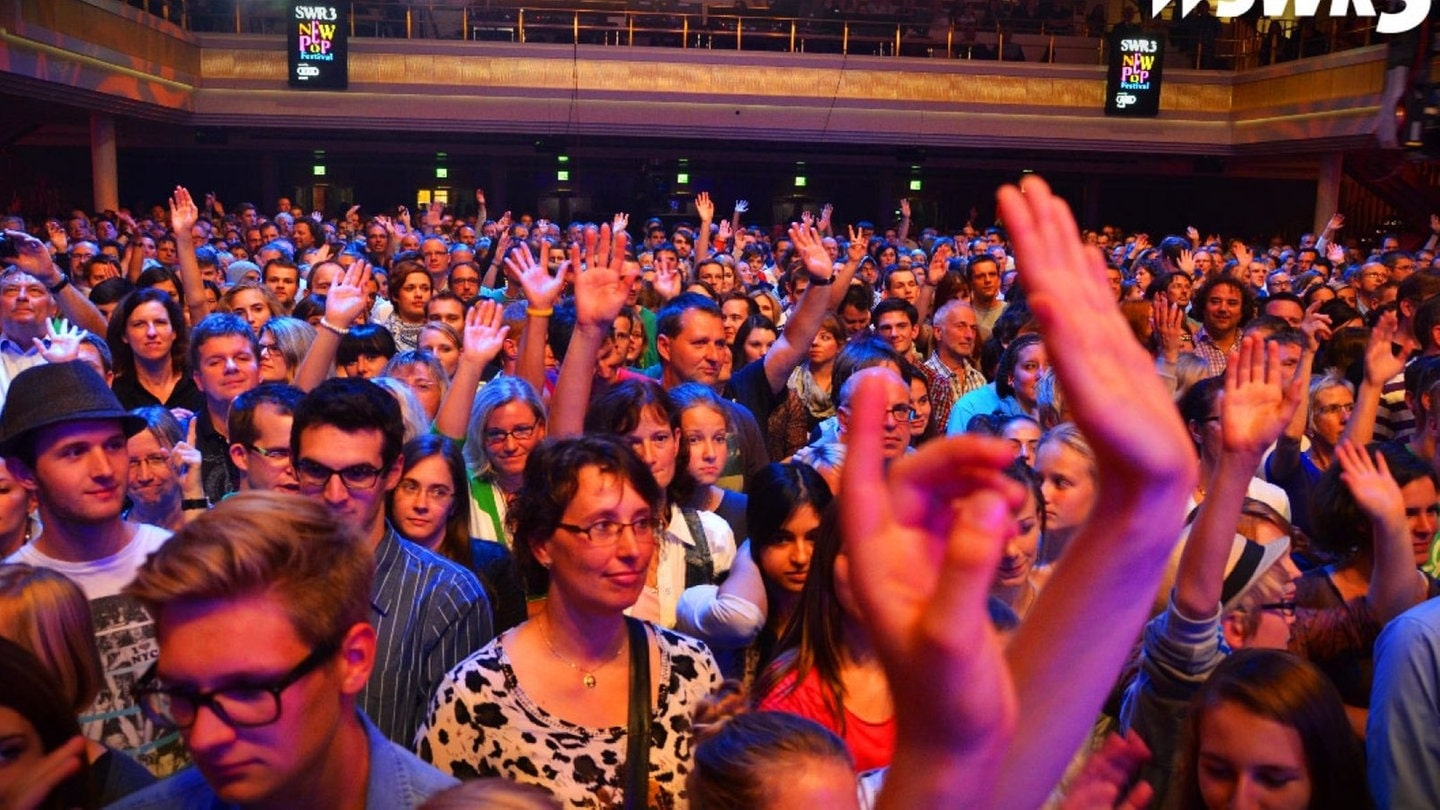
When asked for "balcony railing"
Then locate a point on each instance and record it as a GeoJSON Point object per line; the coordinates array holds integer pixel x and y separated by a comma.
{"type": "Point", "coordinates": [1231, 45]}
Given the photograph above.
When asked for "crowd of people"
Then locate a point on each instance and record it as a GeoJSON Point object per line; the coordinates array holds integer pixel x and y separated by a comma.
{"type": "Point", "coordinates": [398, 511]}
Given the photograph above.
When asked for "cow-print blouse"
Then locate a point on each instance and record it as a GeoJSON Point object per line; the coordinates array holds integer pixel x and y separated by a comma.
{"type": "Point", "coordinates": [482, 724]}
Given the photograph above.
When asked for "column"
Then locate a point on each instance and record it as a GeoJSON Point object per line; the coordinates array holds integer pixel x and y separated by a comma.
{"type": "Point", "coordinates": [1327, 189]}
{"type": "Point", "coordinates": [103, 166]}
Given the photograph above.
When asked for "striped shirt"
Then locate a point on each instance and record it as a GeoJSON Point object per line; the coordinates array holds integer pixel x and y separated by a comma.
{"type": "Point", "coordinates": [430, 614]}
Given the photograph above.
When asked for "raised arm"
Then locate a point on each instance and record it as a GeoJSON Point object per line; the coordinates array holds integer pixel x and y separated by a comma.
{"type": "Point", "coordinates": [1286, 458]}
{"type": "Point", "coordinates": [33, 257]}
{"type": "Point", "coordinates": [1395, 587]}
{"type": "Point", "coordinates": [343, 304]}
{"type": "Point", "coordinates": [903, 231]}
{"type": "Point", "coordinates": [854, 252]}
{"type": "Point", "coordinates": [484, 333]}
{"type": "Point", "coordinates": [922, 552]}
{"type": "Point", "coordinates": [1255, 407]}
{"type": "Point", "coordinates": [183, 215]}
{"type": "Point", "coordinates": [705, 207]}
{"type": "Point", "coordinates": [600, 292]}
{"type": "Point", "coordinates": [1381, 364]}
{"type": "Point", "coordinates": [1336, 222]}
{"type": "Point", "coordinates": [804, 323]}
{"type": "Point", "coordinates": [542, 290]}
{"type": "Point", "coordinates": [1087, 617]}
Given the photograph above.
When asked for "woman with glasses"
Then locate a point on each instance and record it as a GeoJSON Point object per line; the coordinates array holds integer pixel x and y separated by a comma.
{"type": "Point", "coordinates": [591, 705]}
{"type": "Point", "coordinates": [283, 342]}
{"type": "Point", "coordinates": [429, 507]}
{"type": "Point", "coordinates": [164, 484]}
{"type": "Point", "coordinates": [149, 342]}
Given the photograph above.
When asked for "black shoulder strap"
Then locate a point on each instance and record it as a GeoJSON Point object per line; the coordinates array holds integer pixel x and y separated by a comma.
{"type": "Point", "coordinates": [637, 743]}
{"type": "Point", "coordinates": [699, 567]}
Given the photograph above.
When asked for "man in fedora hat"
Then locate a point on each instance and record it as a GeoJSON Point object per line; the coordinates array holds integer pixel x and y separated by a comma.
{"type": "Point", "coordinates": [63, 436]}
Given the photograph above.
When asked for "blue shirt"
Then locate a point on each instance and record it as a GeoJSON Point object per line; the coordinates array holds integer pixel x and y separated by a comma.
{"type": "Point", "coordinates": [430, 614]}
{"type": "Point", "coordinates": [398, 780]}
{"type": "Point", "coordinates": [1402, 735]}
{"type": "Point", "coordinates": [980, 401]}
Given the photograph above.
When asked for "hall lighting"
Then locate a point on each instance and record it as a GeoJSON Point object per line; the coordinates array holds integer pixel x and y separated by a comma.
{"type": "Point", "coordinates": [800, 181]}
{"type": "Point", "coordinates": [441, 173]}
{"type": "Point", "coordinates": [682, 178]}
{"type": "Point", "coordinates": [914, 185]}
{"type": "Point", "coordinates": [318, 170]}
{"type": "Point", "coordinates": [562, 176]}
{"type": "Point", "coordinates": [562, 158]}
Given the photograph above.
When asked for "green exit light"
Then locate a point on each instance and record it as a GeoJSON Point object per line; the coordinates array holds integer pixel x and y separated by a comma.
{"type": "Point", "coordinates": [914, 185]}
{"type": "Point", "coordinates": [563, 176]}
{"type": "Point", "coordinates": [682, 178]}
{"type": "Point", "coordinates": [318, 170]}
{"type": "Point", "coordinates": [441, 173]}
{"type": "Point", "coordinates": [800, 181]}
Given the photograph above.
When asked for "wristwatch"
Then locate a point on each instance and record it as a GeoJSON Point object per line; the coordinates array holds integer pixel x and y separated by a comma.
{"type": "Point", "coordinates": [59, 285]}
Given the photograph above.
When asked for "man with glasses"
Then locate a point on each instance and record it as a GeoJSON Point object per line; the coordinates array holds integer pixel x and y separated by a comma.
{"type": "Point", "coordinates": [31, 290]}
{"type": "Point", "coordinates": [429, 612]}
{"type": "Point", "coordinates": [898, 410]}
{"type": "Point", "coordinates": [272, 719]}
{"type": "Point", "coordinates": [260, 421]}
{"type": "Point", "coordinates": [63, 437]}
{"type": "Point", "coordinates": [436, 255]}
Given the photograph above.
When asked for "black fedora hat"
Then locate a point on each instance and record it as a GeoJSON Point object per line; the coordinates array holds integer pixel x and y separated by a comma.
{"type": "Point", "coordinates": [55, 393]}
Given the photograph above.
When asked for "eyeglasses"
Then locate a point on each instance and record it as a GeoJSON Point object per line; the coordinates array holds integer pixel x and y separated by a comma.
{"type": "Point", "coordinates": [607, 532]}
{"type": "Point", "coordinates": [1286, 609]}
{"type": "Point", "coordinates": [153, 460]}
{"type": "Point", "coordinates": [1339, 407]}
{"type": "Point", "coordinates": [274, 454]}
{"type": "Point", "coordinates": [267, 348]}
{"type": "Point", "coordinates": [239, 706]}
{"type": "Point", "coordinates": [496, 436]}
{"type": "Point", "coordinates": [315, 475]}
{"type": "Point", "coordinates": [903, 413]}
{"type": "Point", "coordinates": [435, 492]}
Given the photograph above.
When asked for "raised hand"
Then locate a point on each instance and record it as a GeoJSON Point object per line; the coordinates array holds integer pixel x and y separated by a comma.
{"type": "Point", "coordinates": [62, 341]}
{"type": "Point", "coordinates": [1169, 320]}
{"type": "Point", "coordinates": [722, 236]}
{"type": "Point", "coordinates": [741, 206]}
{"type": "Point", "coordinates": [183, 213]}
{"type": "Point", "coordinates": [921, 556]}
{"type": "Point", "coordinates": [807, 219]}
{"type": "Point", "coordinates": [485, 332]}
{"type": "Point", "coordinates": [1315, 326]}
{"type": "Point", "coordinates": [939, 264]}
{"type": "Point", "coordinates": [812, 250]}
{"type": "Point", "coordinates": [186, 460]}
{"type": "Point", "coordinates": [1335, 252]}
{"type": "Point", "coordinates": [1193, 234]}
{"type": "Point", "coordinates": [667, 282]}
{"type": "Point", "coordinates": [347, 298]}
{"type": "Point", "coordinates": [432, 217]}
{"type": "Point", "coordinates": [1107, 772]}
{"type": "Point", "coordinates": [1337, 221]}
{"type": "Point", "coordinates": [825, 214]}
{"type": "Point", "coordinates": [1142, 241]}
{"type": "Point", "coordinates": [541, 288]}
{"type": "Point", "coordinates": [322, 254]}
{"type": "Point", "coordinates": [36, 781]}
{"type": "Point", "coordinates": [1381, 362]}
{"type": "Point", "coordinates": [1243, 256]}
{"type": "Point", "coordinates": [1370, 482]}
{"type": "Point", "coordinates": [1092, 349]}
{"type": "Point", "coordinates": [1257, 401]}
{"type": "Point", "coordinates": [704, 206]}
{"type": "Point", "coordinates": [57, 236]}
{"type": "Point", "coordinates": [620, 222]}
{"type": "Point", "coordinates": [855, 248]}
{"type": "Point", "coordinates": [480, 196]}
{"type": "Point", "coordinates": [33, 257]}
{"type": "Point", "coordinates": [1186, 263]}
{"type": "Point", "coordinates": [603, 287]}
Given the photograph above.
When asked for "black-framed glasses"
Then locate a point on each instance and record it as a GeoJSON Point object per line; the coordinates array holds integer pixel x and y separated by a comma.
{"type": "Point", "coordinates": [496, 436]}
{"type": "Point", "coordinates": [1286, 609]}
{"type": "Point", "coordinates": [411, 488]}
{"type": "Point", "coordinates": [314, 475]}
{"type": "Point", "coordinates": [244, 705]}
{"type": "Point", "coordinates": [607, 532]}
{"type": "Point", "coordinates": [274, 454]}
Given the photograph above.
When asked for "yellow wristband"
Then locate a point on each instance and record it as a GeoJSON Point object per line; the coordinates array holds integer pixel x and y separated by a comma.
{"type": "Point", "coordinates": [540, 313]}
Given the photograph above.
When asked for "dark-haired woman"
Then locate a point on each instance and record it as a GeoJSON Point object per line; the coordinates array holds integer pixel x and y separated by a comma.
{"type": "Point", "coordinates": [548, 703]}
{"type": "Point", "coordinates": [1017, 378]}
{"type": "Point", "coordinates": [431, 507]}
{"type": "Point", "coordinates": [148, 339]}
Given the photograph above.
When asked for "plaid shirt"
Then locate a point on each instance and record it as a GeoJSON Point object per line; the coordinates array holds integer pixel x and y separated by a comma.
{"type": "Point", "coordinates": [946, 387]}
{"type": "Point", "coordinates": [1213, 353]}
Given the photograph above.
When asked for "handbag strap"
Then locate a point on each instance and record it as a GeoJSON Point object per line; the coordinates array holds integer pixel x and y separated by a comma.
{"type": "Point", "coordinates": [637, 742]}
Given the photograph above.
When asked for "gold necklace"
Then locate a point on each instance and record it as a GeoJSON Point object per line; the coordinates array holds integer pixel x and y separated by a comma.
{"type": "Point", "coordinates": [589, 679]}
